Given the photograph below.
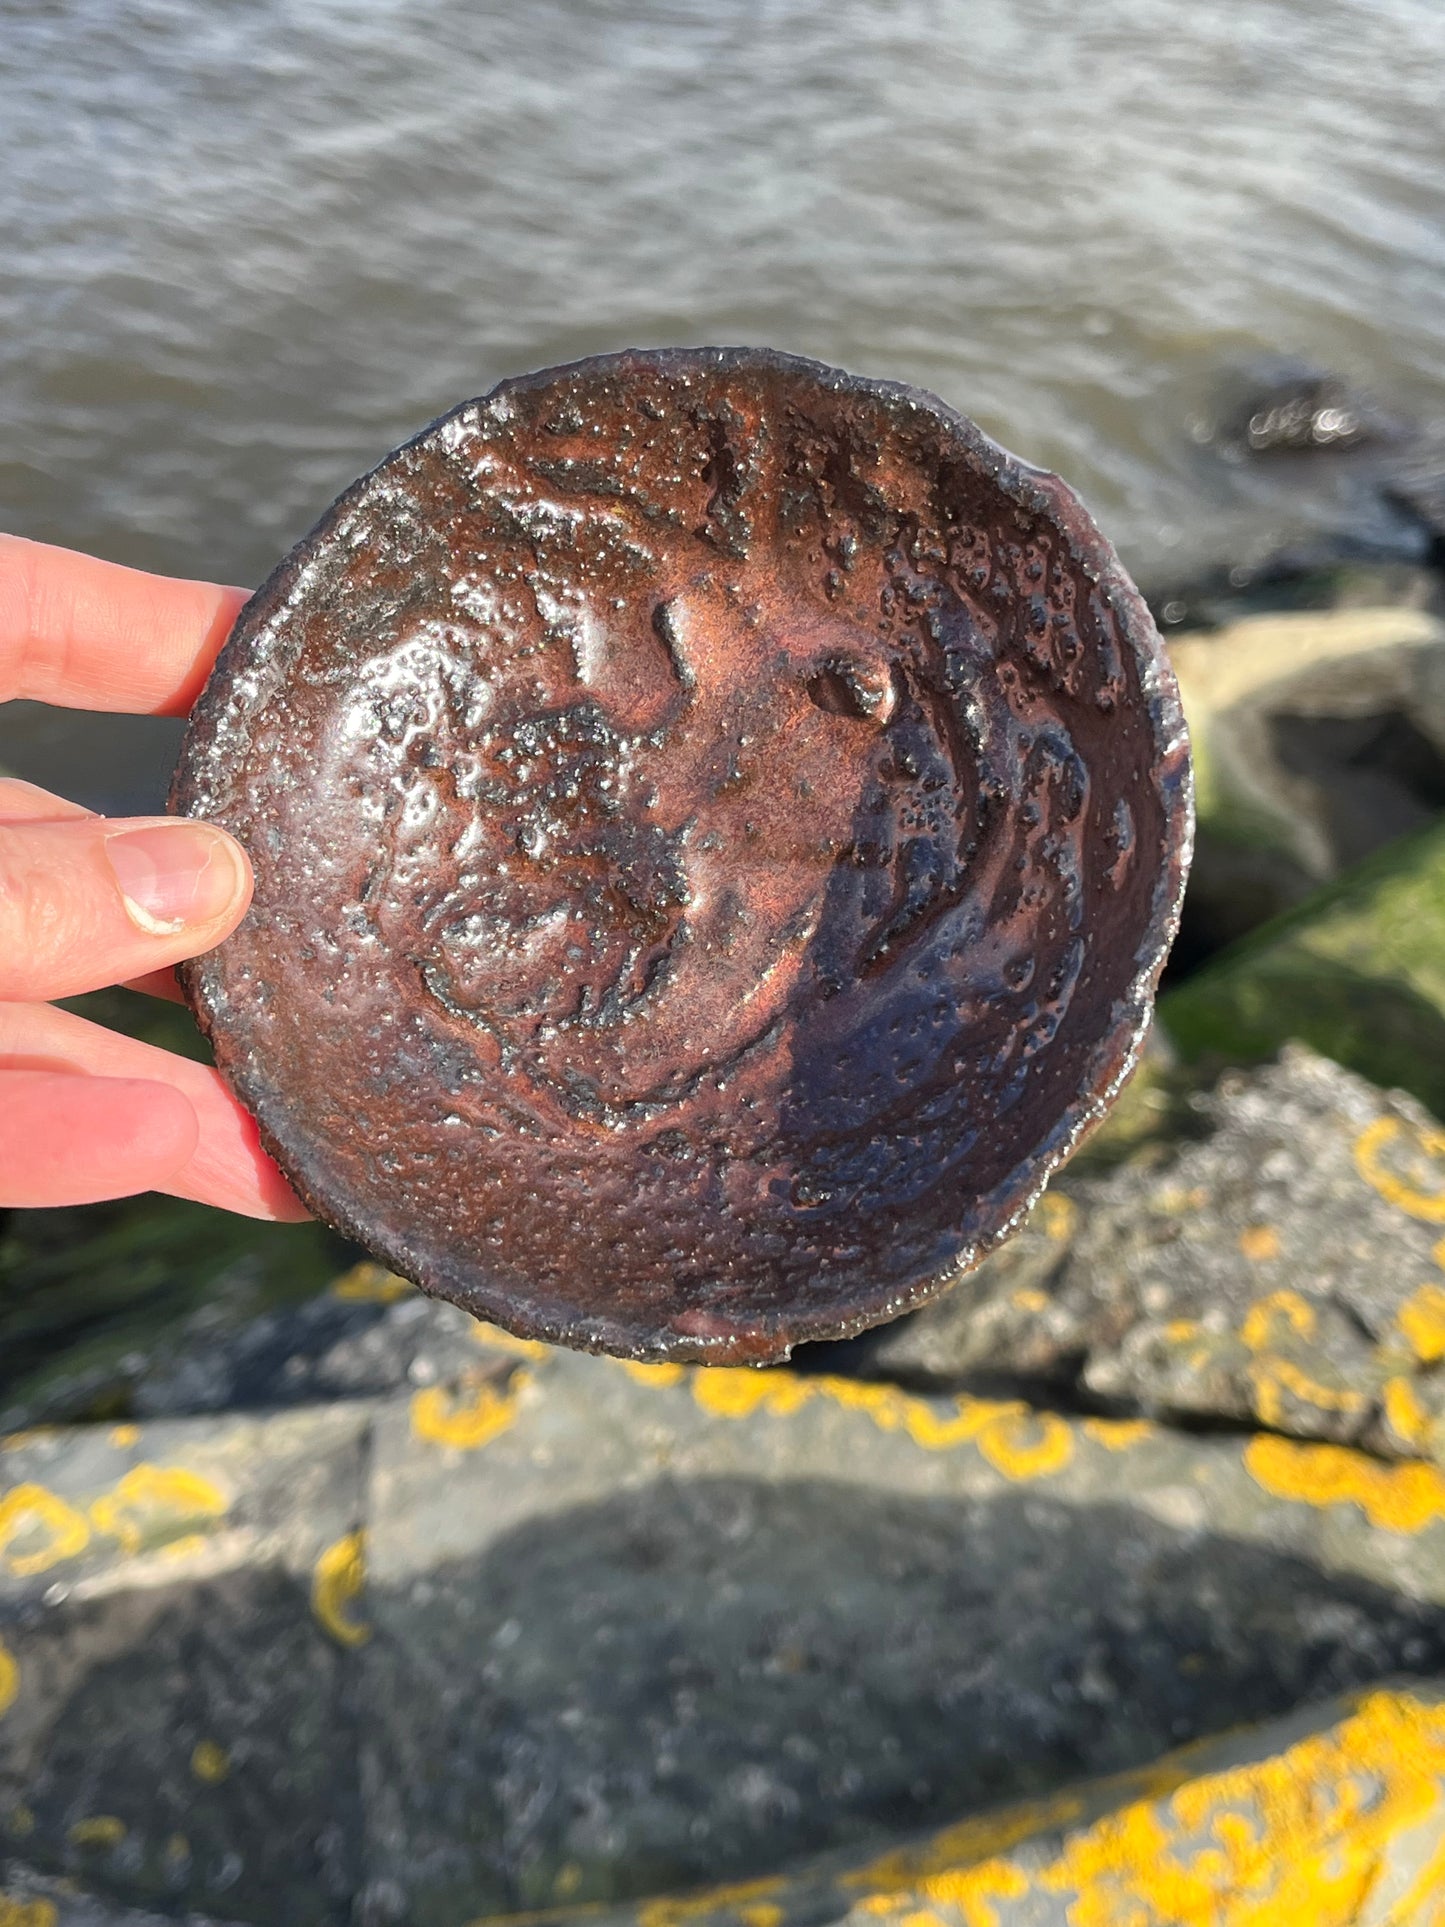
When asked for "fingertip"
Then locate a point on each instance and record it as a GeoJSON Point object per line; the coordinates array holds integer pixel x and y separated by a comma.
{"type": "Point", "coordinates": [177, 875]}
{"type": "Point", "coordinates": [216, 1157]}
{"type": "Point", "coordinates": [231, 855]}
{"type": "Point", "coordinates": [68, 1138]}
{"type": "Point", "coordinates": [157, 983]}
{"type": "Point", "coordinates": [233, 1167]}
{"type": "Point", "coordinates": [166, 1120]}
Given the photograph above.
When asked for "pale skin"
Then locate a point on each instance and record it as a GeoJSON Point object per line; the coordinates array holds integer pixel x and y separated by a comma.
{"type": "Point", "coordinates": [87, 901]}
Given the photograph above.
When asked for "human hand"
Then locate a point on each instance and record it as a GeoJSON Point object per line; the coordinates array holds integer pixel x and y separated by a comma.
{"type": "Point", "coordinates": [87, 901]}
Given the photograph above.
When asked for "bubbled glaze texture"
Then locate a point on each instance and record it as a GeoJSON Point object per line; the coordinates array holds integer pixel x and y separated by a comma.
{"type": "Point", "coordinates": [717, 826]}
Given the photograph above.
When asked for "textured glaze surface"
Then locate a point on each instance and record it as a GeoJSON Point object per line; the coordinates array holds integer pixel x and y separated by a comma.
{"type": "Point", "coordinates": [717, 825]}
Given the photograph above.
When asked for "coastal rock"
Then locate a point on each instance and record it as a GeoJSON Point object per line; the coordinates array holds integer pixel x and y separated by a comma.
{"type": "Point", "coordinates": [1273, 1258]}
{"type": "Point", "coordinates": [1280, 405]}
{"type": "Point", "coordinates": [369, 1333]}
{"type": "Point", "coordinates": [1332, 1817]}
{"type": "Point", "coordinates": [1417, 484]}
{"type": "Point", "coordinates": [1306, 577]}
{"type": "Point", "coordinates": [565, 1630]}
{"type": "Point", "coordinates": [174, 1720]}
{"type": "Point", "coordinates": [1318, 737]}
{"type": "Point", "coordinates": [28, 1899]}
{"type": "Point", "coordinates": [1357, 971]}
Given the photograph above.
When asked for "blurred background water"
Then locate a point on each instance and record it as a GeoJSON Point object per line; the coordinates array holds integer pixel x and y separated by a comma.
{"type": "Point", "coordinates": [246, 250]}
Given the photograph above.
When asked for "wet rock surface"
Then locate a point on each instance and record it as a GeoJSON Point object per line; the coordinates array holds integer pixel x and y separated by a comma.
{"type": "Point", "coordinates": [717, 823]}
{"type": "Point", "coordinates": [555, 1629]}
{"type": "Point", "coordinates": [1282, 406]}
{"type": "Point", "coordinates": [1272, 1256]}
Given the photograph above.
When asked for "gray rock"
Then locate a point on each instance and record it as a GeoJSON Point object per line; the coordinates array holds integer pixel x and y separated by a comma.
{"type": "Point", "coordinates": [1281, 405]}
{"type": "Point", "coordinates": [35, 1901]}
{"type": "Point", "coordinates": [1332, 1817]}
{"type": "Point", "coordinates": [558, 1630]}
{"type": "Point", "coordinates": [1315, 576]}
{"type": "Point", "coordinates": [626, 1630]}
{"type": "Point", "coordinates": [369, 1334]}
{"type": "Point", "coordinates": [1279, 1262]}
{"type": "Point", "coordinates": [365, 1334]}
{"type": "Point", "coordinates": [1319, 737]}
{"type": "Point", "coordinates": [176, 1728]}
{"type": "Point", "coordinates": [654, 1629]}
{"type": "Point", "coordinates": [1417, 484]}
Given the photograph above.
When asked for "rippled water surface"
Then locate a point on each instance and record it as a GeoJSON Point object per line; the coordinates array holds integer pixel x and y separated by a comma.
{"type": "Point", "coordinates": [244, 250]}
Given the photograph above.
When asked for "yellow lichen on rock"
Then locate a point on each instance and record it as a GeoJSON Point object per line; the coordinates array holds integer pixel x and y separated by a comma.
{"type": "Point", "coordinates": [15, 1912]}
{"type": "Point", "coordinates": [1304, 1835]}
{"type": "Point", "coordinates": [467, 1422]}
{"type": "Point", "coordinates": [1422, 1322]}
{"type": "Point", "coordinates": [1287, 1308]}
{"type": "Point", "coordinates": [1274, 1376]}
{"type": "Point", "coordinates": [102, 1830]}
{"type": "Point", "coordinates": [492, 1336]}
{"type": "Point", "coordinates": [918, 1867]}
{"type": "Point", "coordinates": [210, 1763]}
{"type": "Point", "coordinates": [1405, 1415]}
{"type": "Point", "coordinates": [9, 1679]}
{"type": "Point", "coordinates": [1301, 1836]}
{"type": "Point", "coordinates": [338, 1579]}
{"type": "Point", "coordinates": [152, 1501]}
{"type": "Point", "coordinates": [740, 1897]}
{"type": "Point", "coordinates": [1058, 1215]}
{"type": "Point", "coordinates": [660, 1373]}
{"type": "Point", "coordinates": [1399, 1498]}
{"type": "Point", "coordinates": [371, 1284]}
{"type": "Point", "coordinates": [725, 1391]}
{"type": "Point", "coordinates": [1024, 1444]}
{"type": "Point", "coordinates": [1017, 1441]}
{"type": "Point", "coordinates": [1278, 1319]}
{"type": "Point", "coordinates": [31, 1512]}
{"type": "Point", "coordinates": [1117, 1434]}
{"type": "Point", "coordinates": [1418, 1188]}
{"type": "Point", "coordinates": [1259, 1243]}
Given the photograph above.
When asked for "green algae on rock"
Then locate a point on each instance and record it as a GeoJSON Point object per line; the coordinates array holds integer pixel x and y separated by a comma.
{"type": "Point", "coordinates": [1357, 971]}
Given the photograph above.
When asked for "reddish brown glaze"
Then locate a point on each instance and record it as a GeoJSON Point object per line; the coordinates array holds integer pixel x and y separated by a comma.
{"type": "Point", "coordinates": [717, 825]}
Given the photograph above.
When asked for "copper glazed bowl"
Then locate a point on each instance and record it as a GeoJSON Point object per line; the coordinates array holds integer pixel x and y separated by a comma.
{"type": "Point", "coordinates": [718, 824]}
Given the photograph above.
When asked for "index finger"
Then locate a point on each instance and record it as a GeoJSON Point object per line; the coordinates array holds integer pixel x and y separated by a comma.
{"type": "Point", "coordinates": [93, 635]}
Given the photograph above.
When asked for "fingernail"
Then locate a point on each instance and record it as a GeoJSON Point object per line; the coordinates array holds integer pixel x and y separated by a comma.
{"type": "Point", "coordinates": [174, 874]}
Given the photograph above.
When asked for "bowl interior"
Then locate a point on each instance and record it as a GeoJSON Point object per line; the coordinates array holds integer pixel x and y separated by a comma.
{"type": "Point", "coordinates": [717, 824]}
